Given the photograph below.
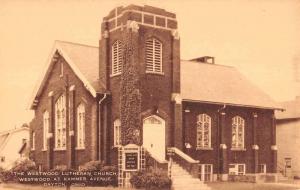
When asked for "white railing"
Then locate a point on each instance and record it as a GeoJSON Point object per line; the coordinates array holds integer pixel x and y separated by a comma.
{"type": "Point", "coordinates": [184, 156]}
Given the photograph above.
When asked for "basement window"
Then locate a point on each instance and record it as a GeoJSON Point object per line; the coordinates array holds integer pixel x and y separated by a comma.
{"type": "Point", "coordinates": [237, 169]}
{"type": "Point", "coordinates": [205, 172]}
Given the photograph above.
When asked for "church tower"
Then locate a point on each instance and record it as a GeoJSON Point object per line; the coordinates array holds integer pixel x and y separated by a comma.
{"type": "Point", "coordinates": [146, 38]}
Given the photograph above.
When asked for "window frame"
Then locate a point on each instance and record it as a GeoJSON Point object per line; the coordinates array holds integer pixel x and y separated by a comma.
{"type": "Point", "coordinates": [117, 133]}
{"type": "Point", "coordinates": [33, 141]}
{"type": "Point", "coordinates": [60, 123]}
{"type": "Point", "coordinates": [236, 169]}
{"type": "Point", "coordinates": [202, 119]}
{"type": "Point", "coordinates": [264, 166]}
{"type": "Point", "coordinates": [46, 120]}
{"type": "Point", "coordinates": [116, 61]}
{"type": "Point", "coordinates": [80, 126]}
{"type": "Point", "coordinates": [237, 121]}
{"type": "Point", "coordinates": [202, 173]}
{"type": "Point", "coordinates": [151, 56]}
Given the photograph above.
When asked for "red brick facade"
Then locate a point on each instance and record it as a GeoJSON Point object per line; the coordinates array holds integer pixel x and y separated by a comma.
{"type": "Point", "coordinates": [160, 96]}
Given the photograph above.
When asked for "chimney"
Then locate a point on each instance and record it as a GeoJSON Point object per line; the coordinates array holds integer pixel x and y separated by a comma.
{"type": "Point", "coordinates": [204, 59]}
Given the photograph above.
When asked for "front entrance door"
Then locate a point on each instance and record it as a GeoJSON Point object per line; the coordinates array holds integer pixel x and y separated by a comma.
{"type": "Point", "coordinates": [154, 139]}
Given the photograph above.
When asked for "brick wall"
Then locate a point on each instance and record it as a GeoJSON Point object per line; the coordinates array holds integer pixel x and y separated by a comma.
{"type": "Point", "coordinates": [264, 135]}
{"type": "Point", "coordinates": [56, 84]}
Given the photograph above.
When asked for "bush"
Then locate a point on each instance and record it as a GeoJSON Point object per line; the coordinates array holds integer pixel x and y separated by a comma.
{"type": "Point", "coordinates": [23, 165]}
{"type": "Point", "coordinates": [151, 180]}
{"type": "Point", "coordinates": [91, 166]}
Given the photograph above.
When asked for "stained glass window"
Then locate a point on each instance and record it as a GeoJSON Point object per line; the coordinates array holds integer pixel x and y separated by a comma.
{"type": "Point", "coordinates": [80, 126]}
{"type": "Point", "coordinates": [203, 131]}
{"type": "Point", "coordinates": [238, 125]}
{"type": "Point", "coordinates": [60, 123]}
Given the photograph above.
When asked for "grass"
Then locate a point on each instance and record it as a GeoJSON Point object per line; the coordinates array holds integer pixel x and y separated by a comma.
{"type": "Point", "coordinates": [250, 186]}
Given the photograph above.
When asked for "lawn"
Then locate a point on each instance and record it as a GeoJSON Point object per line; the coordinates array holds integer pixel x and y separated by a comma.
{"type": "Point", "coordinates": [251, 186]}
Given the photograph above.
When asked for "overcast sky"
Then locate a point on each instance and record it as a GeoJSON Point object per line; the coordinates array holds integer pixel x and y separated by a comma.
{"type": "Point", "coordinates": [260, 38]}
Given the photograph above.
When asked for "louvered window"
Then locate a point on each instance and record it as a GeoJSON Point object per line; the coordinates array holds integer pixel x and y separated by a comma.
{"type": "Point", "coordinates": [116, 58]}
{"type": "Point", "coordinates": [153, 56]}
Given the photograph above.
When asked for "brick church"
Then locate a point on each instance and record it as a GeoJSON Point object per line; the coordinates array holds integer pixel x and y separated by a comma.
{"type": "Point", "coordinates": [210, 114]}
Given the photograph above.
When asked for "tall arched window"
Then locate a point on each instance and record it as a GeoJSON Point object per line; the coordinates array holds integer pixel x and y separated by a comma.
{"type": "Point", "coordinates": [203, 131]}
{"type": "Point", "coordinates": [60, 123]}
{"type": "Point", "coordinates": [153, 56]}
{"type": "Point", "coordinates": [45, 128]}
{"type": "Point", "coordinates": [116, 58]}
{"type": "Point", "coordinates": [238, 125]}
{"type": "Point", "coordinates": [117, 132]}
{"type": "Point", "coordinates": [80, 126]}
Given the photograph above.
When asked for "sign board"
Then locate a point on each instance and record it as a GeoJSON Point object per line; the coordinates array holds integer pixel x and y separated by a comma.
{"type": "Point", "coordinates": [131, 157]}
{"type": "Point", "coordinates": [131, 161]}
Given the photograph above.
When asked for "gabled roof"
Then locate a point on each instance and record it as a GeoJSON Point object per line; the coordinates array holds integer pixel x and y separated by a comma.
{"type": "Point", "coordinates": [211, 83]}
{"type": "Point", "coordinates": [5, 136]}
{"type": "Point", "coordinates": [292, 110]}
{"type": "Point", "coordinates": [83, 60]}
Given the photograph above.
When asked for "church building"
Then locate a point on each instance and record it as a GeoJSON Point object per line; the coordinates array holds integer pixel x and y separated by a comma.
{"type": "Point", "coordinates": [209, 114]}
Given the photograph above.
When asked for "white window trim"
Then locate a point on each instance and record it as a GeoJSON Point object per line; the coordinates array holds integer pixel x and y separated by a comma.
{"type": "Point", "coordinates": [45, 129]}
{"type": "Point", "coordinates": [116, 60]}
{"type": "Point", "coordinates": [33, 141]}
{"type": "Point", "coordinates": [203, 117]}
{"type": "Point", "coordinates": [264, 168]}
{"type": "Point", "coordinates": [235, 121]}
{"type": "Point", "coordinates": [80, 123]}
{"type": "Point", "coordinates": [151, 61]}
{"type": "Point", "coordinates": [236, 168]}
{"type": "Point", "coordinates": [117, 133]}
{"type": "Point", "coordinates": [60, 105]}
{"type": "Point", "coordinates": [202, 172]}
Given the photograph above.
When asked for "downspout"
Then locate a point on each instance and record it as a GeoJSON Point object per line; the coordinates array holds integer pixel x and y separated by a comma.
{"type": "Point", "coordinates": [219, 139]}
{"type": "Point", "coordinates": [100, 144]}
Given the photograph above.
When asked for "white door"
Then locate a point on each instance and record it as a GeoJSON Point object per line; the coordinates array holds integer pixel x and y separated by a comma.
{"type": "Point", "coordinates": [154, 136]}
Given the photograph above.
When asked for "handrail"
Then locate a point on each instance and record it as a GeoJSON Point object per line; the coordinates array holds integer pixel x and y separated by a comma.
{"type": "Point", "coordinates": [184, 156]}
{"type": "Point", "coordinates": [156, 158]}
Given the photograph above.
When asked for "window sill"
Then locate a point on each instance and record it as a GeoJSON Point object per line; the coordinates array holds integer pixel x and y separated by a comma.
{"type": "Point", "coordinates": [238, 149]}
{"type": "Point", "coordinates": [32, 149]}
{"type": "Point", "coordinates": [155, 73]}
{"type": "Point", "coordinates": [59, 149]}
{"type": "Point", "coordinates": [114, 75]}
{"type": "Point", "coordinates": [44, 150]}
{"type": "Point", "coordinates": [204, 148]}
{"type": "Point", "coordinates": [79, 148]}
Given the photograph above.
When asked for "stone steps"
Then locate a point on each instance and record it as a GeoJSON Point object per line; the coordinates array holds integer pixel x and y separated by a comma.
{"type": "Point", "coordinates": [182, 180]}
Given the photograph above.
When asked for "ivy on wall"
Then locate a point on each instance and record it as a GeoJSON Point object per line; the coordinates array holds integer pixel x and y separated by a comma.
{"type": "Point", "coordinates": [130, 99]}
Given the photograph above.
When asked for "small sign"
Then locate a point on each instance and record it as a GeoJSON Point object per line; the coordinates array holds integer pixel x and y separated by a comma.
{"type": "Point", "coordinates": [131, 161]}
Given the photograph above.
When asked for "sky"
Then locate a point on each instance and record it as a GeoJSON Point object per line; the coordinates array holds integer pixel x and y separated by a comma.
{"type": "Point", "coordinates": [259, 38]}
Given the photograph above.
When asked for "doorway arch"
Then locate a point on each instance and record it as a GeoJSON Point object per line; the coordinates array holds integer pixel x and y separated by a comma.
{"type": "Point", "coordinates": [154, 138]}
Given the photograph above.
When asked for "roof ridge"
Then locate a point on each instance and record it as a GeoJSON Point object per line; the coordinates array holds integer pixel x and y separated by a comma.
{"type": "Point", "coordinates": [75, 43]}
{"type": "Point", "coordinates": [211, 64]}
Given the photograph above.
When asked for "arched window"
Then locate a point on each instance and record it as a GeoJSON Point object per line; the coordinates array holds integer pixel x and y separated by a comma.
{"type": "Point", "coordinates": [238, 125]}
{"type": "Point", "coordinates": [45, 128]}
{"type": "Point", "coordinates": [116, 58]}
{"type": "Point", "coordinates": [80, 126]}
{"type": "Point", "coordinates": [153, 56]}
{"type": "Point", "coordinates": [60, 123]}
{"type": "Point", "coordinates": [117, 132]}
{"type": "Point", "coordinates": [203, 131]}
